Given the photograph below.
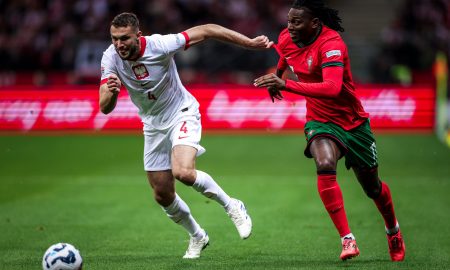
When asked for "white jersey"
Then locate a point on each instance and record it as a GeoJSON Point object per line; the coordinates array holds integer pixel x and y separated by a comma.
{"type": "Point", "coordinates": [152, 80]}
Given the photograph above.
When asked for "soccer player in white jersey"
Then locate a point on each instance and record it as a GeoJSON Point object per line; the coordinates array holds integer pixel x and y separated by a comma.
{"type": "Point", "coordinates": [170, 115]}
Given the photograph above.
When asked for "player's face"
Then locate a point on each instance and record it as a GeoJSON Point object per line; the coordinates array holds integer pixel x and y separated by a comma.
{"type": "Point", "coordinates": [126, 41]}
{"type": "Point", "coordinates": [302, 26]}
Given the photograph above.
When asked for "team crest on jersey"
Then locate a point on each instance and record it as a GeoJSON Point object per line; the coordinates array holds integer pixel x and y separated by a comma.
{"type": "Point", "coordinates": [140, 71]}
{"type": "Point", "coordinates": [309, 61]}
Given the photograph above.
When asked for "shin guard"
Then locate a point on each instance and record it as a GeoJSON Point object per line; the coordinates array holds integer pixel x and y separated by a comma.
{"type": "Point", "coordinates": [386, 206]}
{"type": "Point", "coordinates": [332, 199]}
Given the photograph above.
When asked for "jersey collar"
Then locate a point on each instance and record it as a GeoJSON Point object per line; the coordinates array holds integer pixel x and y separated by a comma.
{"type": "Point", "coordinates": [143, 45]}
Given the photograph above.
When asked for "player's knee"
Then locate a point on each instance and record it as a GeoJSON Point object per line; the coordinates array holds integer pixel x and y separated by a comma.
{"type": "Point", "coordinates": [373, 191]}
{"type": "Point", "coordinates": [325, 164]}
{"type": "Point", "coordinates": [185, 175]}
{"type": "Point", "coordinates": [163, 198]}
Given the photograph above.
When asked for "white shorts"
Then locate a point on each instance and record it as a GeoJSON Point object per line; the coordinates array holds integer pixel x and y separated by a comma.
{"type": "Point", "coordinates": [158, 144]}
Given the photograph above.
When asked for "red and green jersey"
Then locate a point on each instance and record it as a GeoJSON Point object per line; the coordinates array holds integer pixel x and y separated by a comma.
{"type": "Point", "coordinates": [325, 79]}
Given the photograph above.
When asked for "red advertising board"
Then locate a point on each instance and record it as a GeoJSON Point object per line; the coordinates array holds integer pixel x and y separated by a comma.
{"type": "Point", "coordinates": [222, 107]}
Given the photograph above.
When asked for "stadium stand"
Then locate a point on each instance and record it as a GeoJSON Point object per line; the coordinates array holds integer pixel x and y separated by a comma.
{"type": "Point", "coordinates": [61, 41]}
{"type": "Point", "coordinates": [411, 42]}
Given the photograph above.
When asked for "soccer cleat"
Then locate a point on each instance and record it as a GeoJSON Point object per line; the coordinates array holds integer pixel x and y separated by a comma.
{"type": "Point", "coordinates": [196, 246]}
{"type": "Point", "coordinates": [349, 249]}
{"type": "Point", "coordinates": [240, 218]}
{"type": "Point", "coordinates": [396, 246]}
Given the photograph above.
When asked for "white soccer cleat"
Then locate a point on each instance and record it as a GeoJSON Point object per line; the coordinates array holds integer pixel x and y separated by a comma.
{"type": "Point", "coordinates": [196, 246]}
{"type": "Point", "coordinates": [238, 214]}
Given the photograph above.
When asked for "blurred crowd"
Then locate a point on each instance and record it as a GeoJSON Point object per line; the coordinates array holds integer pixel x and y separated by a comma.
{"type": "Point", "coordinates": [70, 36]}
{"type": "Point", "coordinates": [411, 43]}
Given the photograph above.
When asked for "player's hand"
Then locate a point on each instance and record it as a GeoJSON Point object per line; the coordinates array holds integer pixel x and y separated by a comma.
{"type": "Point", "coordinates": [270, 80]}
{"type": "Point", "coordinates": [260, 43]}
{"type": "Point", "coordinates": [114, 84]}
{"type": "Point", "coordinates": [273, 83]}
{"type": "Point", "coordinates": [274, 94]}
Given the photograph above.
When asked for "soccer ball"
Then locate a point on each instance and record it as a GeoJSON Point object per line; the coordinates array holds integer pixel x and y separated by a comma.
{"type": "Point", "coordinates": [62, 256]}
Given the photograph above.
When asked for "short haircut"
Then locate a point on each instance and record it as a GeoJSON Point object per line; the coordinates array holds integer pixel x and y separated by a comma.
{"type": "Point", "coordinates": [126, 19]}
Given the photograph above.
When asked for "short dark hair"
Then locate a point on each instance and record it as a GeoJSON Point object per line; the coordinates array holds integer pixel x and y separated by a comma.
{"type": "Point", "coordinates": [126, 19]}
{"type": "Point", "coordinates": [328, 16]}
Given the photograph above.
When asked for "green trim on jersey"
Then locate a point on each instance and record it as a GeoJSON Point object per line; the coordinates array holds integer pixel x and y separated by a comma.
{"type": "Point", "coordinates": [333, 64]}
{"type": "Point", "coordinates": [357, 145]}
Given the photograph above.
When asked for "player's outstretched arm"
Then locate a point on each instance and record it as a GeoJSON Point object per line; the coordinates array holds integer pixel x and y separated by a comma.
{"type": "Point", "coordinates": [108, 93]}
{"type": "Point", "coordinates": [329, 88]}
{"type": "Point", "coordinates": [200, 33]}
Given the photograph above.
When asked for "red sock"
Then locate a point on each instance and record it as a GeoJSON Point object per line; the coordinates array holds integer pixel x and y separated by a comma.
{"type": "Point", "coordinates": [331, 196]}
{"type": "Point", "coordinates": [385, 206]}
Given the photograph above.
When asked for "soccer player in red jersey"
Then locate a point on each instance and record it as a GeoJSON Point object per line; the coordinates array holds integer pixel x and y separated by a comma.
{"type": "Point", "coordinates": [337, 124]}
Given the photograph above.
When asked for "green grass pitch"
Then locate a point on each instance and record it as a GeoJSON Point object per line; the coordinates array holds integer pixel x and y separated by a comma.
{"type": "Point", "coordinates": [91, 191]}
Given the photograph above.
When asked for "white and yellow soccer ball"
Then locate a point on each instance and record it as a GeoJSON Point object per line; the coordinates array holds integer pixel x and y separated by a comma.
{"type": "Point", "coordinates": [62, 256]}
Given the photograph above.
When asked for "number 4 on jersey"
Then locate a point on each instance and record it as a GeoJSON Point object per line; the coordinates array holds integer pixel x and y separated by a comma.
{"type": "Point", "coordinates": [183, 127]}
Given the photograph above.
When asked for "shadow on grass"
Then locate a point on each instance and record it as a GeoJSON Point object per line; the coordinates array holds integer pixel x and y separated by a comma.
{"type": "Point", "coordinates": [252, 262]}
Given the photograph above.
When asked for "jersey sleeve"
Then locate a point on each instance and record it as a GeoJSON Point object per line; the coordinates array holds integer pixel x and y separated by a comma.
{"type": "Point", "coordinates": [333, 53]}
{"type": "Point", "coordinates": [282, 40]}
{"type": "Point", "coordinates": [107, 67]}
{"type": "Point", "coordinates": [282, 63]}
{"type": "Point", "coordinates": [171, 43]}
{"type": "Point", "coordinates": [330, 87]}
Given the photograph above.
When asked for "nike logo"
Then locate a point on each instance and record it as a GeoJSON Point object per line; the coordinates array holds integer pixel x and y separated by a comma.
{"type": "Point", "coordinates": [182, 137]}
{"type": "Point", "coordinates": [145, 83]}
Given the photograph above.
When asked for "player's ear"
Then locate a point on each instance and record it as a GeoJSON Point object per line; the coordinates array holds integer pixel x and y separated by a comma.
{"type": "Point", "coordinates": [315, 22]}
{"type": "Point", "coordinates": [139, 33]}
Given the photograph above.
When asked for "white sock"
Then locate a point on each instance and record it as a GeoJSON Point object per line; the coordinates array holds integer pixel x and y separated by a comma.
{"type": "Point", "coordinates": [394, 230]}
{"type": "Point", "coordinates": [209, 188]}
{"type": "Point", "coordinates": [179, 212]}
{"type": "Point", "coordinates": [350, 235]}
